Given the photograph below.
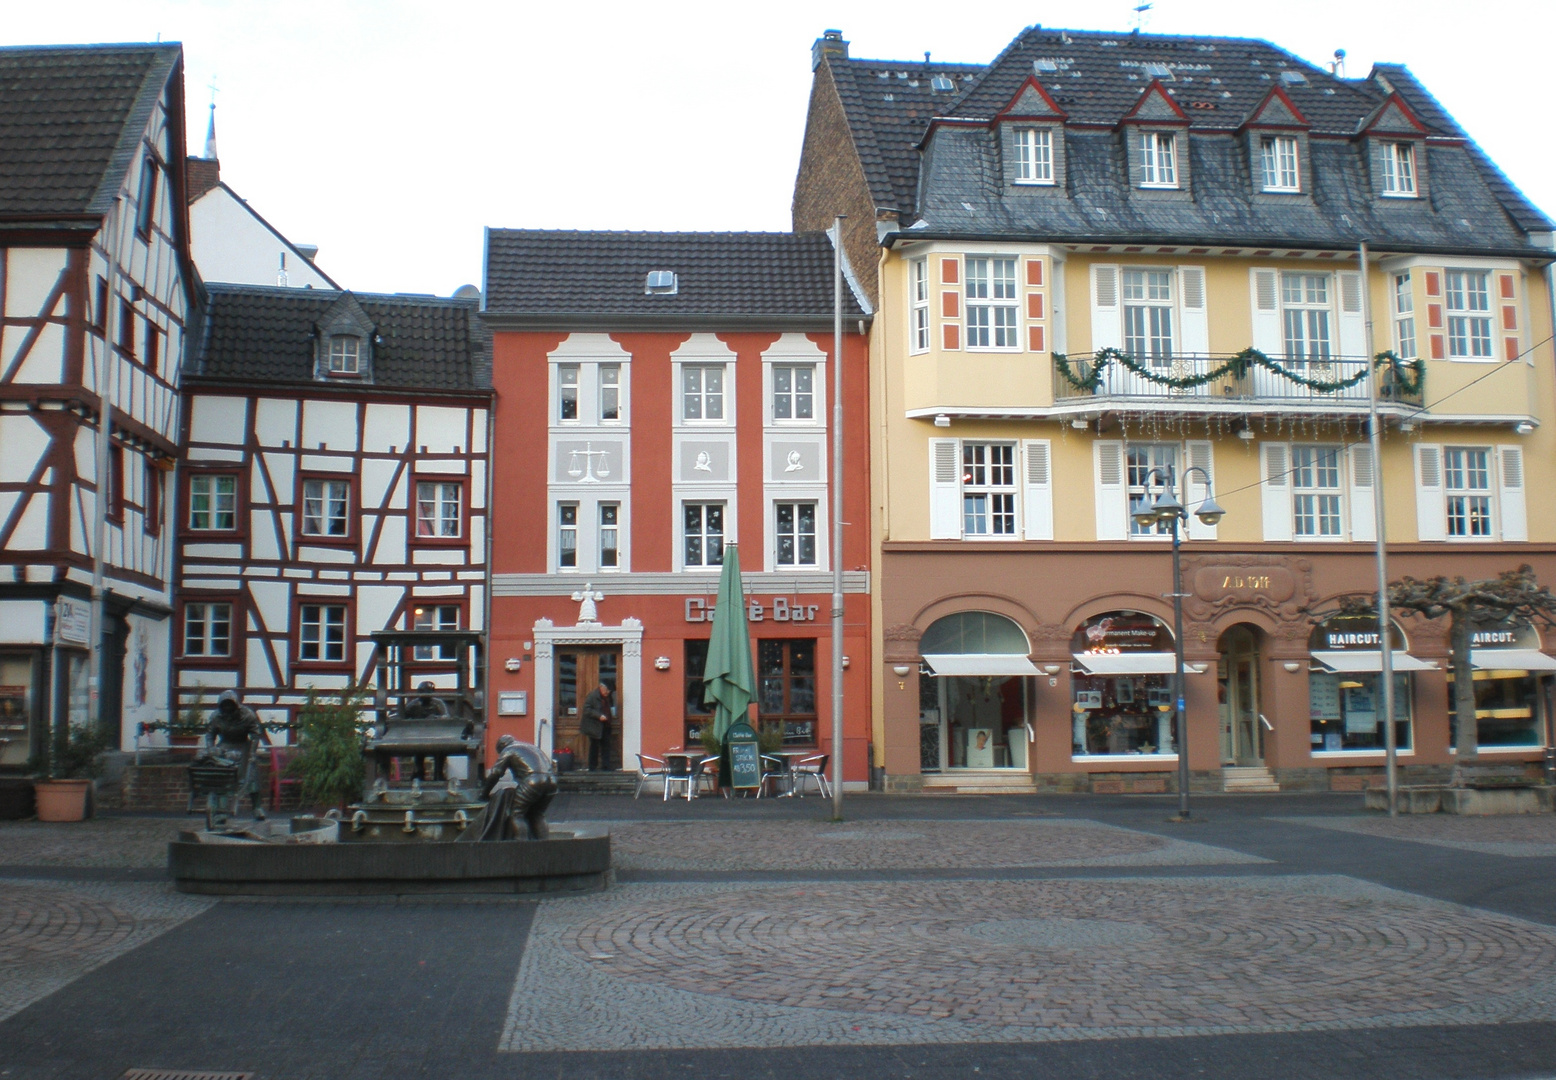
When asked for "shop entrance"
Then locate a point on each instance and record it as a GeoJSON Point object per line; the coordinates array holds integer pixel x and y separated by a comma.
{"type": "Point", "coordinates": [578, 672]}
{"type": "Point", "coordinates": [1237, 690]}
{"type": "Point", "coordinates": [973, 693]}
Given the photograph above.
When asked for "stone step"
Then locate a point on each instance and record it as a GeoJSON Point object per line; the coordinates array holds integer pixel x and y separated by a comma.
{"type": "Point", "coordinates": [1245, 779]}
{"type": "Point", "coordinates": [583, 782]}
{"type": "Point", "coordinates": [1011, 782]}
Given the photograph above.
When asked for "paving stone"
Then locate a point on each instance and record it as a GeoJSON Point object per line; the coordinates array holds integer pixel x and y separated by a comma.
{"type": "Point", "coordinates": [100, 842]}
{"type": "Point", "coordinates": [1516, 836]}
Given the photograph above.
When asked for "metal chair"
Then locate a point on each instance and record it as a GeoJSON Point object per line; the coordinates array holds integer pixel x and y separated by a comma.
{"type": "Point", "coordinates": [679, 770]}
{"type": "Point", "coordinates": [649, 768]}
{"type": "Point", "coordinates": [774, 770]}
{"type": "Point", "coordinates": [708, 775]}
{"type": "Point", "coordinates": [811, 768]}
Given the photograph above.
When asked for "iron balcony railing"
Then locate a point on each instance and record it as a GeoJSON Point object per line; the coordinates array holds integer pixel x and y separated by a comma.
{"type": "Point", "coordinates": [1207, 378]}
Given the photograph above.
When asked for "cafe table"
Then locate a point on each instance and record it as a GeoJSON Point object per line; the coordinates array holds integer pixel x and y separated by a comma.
{"type": "Point", "coordinates": [693, 764]}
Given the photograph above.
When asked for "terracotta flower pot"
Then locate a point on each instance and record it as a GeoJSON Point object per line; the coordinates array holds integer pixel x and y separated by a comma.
{"type": "Point", "coordinates": [62, 800]}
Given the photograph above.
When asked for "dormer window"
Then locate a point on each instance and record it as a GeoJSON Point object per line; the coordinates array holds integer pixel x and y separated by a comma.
{"type": "Point", "coordinates": [1279, 159]}
{"type": "Point", "coordinates": [345, 355]}
{"type": "Point", "coordinates": [1399, 170]}
{"type": "Point", "coordinates": [1034, 156]}
{"type": "Point", "coordinates": [1158, 160]}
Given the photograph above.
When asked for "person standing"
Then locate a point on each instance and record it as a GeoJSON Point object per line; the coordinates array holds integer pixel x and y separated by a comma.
{"type": "Point", "coordinates": [595, 722]}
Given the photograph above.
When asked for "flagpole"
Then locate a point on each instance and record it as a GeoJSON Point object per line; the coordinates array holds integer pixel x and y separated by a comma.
{"type": "Point", "coordinates": [837, 519]}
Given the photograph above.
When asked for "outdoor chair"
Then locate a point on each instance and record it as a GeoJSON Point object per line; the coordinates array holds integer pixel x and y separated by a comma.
{"type": "Point", "coordinates": [281, 758]}
{"type": "Point", "coordinates": [680, 771]}
{"type": "Point", "coordinates": [775, 770]}
{"type": "Point", "coordinates": [812, 768]}
{"type": "Point", "coordinates": [649, 768]}
{"type": "Point", "coordinates": [708, 775]}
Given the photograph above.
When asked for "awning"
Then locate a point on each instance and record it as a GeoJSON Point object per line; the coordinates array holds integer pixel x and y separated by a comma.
{"type": "Point", "coordinates": [1132, 663]}
{"type": "Point", "coordinates": [1511, 660]}
{"type": "Point", "coordinates": [980, 664]}
{"type": "Point", "coordinates": [1363, 660]}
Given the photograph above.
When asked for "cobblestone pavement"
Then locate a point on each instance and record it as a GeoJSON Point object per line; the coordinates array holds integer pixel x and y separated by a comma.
{"type": "Point", "coordinates": [698, 966]}
{"type": "Point", "coordinates": [1520, 836]}
{"type": "Point", "coordinates": [101, 842]}
{"type": "Point", "coordinates": [898, 845]}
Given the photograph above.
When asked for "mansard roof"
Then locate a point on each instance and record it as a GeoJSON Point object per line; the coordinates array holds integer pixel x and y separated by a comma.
{"type": "Point", "coordinates": [71, 120]}
{"type": "Point", "coordinates": [252, 333]}
{"type": "Point", "coordinates": [734, 279]}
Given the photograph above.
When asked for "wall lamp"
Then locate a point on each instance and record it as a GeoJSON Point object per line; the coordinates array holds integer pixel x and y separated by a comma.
{"type": "Point", "coordinates": [942, 420]}
{"type": "Point", "coordinates": [901, 670]}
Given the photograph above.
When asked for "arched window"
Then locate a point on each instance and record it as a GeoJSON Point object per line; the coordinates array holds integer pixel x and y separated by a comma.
{"type": "Point", "coordinates": [973, 689]}
{"type": "Point", "coordinates": [974, 632]}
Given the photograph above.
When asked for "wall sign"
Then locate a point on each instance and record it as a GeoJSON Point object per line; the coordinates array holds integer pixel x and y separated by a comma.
{"type": "Point", "coordinates": [72, 622]}
{"type": "Point", "coordinates": [782, 610]}
{"type": "Point", "coordinates": [1272, 583]}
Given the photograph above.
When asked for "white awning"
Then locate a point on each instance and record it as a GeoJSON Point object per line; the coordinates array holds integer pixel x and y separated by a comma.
{"type": "Point", "coordinates": [1511, 660]}
{"type": "Point", "coordinates": [1131, 663]}
{"type": "Point", "coordinates": [980, 664]}
{"type": "Point", "coordinates": [1363, 660]}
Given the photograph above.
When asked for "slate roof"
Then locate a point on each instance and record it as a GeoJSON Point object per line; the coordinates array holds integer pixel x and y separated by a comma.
{"type": "Point", "coordinates": [734, 278]}
{"type": "Point", "coordinates": [71, 119]}
{"type": "Point", "coordinates": [253, 333]}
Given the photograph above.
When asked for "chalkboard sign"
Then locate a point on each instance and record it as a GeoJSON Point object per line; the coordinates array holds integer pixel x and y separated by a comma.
{"type": "Point", "coordinates": [745, 757]}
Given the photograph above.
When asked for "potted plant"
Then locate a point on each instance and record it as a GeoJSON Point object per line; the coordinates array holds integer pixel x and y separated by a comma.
{"type": "Point", "coordinates": [65, 778]}
{"type": "Point", "coordinates": [329, 762]}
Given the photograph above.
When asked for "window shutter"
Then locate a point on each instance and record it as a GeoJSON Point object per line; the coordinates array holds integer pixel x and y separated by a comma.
{"type": "Point", "coordinates": [1107, 330]}
{"type": "Point", "coordinates": [1353, 320]}
{"type": "Point", "coordinates": [1112, 497]}
{"type": "Point", "coordinates": [1363, 508]}
{"type": "Point", "coordinates": [1275, 469]}
{"type": "Point", "coordinates": [945, 490]}
{"type": "Point", "coordinates": [1265, 290]}
{"type": "Point", "coordinates": [1196, 320]}
{"type": "Point", "coordinates": [1201, 455]}
{"type": "Point", "coordinates": [1515, 525]}
{"type": "Point", "coordinates": [1431, 499]}
{"type": "Point", "coordinates": [1040, 491]}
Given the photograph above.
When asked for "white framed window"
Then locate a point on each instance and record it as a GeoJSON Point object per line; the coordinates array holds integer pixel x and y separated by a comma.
{"type": "Point", "coordinates": [702, 533]}
{"type": "Point", "coordinates": [321, 630]}
{"type": "Point", "coordinates": [1278, 157]}
{"type": "Point", "coordinates": [1467, 296]}
{"type": "Point", "coordinates": [567, 391]}
{"type": "Point", "coordinates": [610, 393]}
{"type": "Point", "coordinates": [919, 275]}
{"type": "Point", "coordinates": [702, 392]}
{"type": "Point", "coordinates": [1141, 459]}
{"type": "Point", "coordinates": [1306, 316]}
{"type": "Point", "coordinates": [1404, 317]}
{"type": "Point", "coordinates": [1399, 169]}
{"type": "Point", "coordinates": [326, 508]}
{"type": "Point", "coordinates": [438, 509]}
{"type": "Point", "coordinates": [1467, 484]}
{"type": "Point", "coordinates": [988, 489]}
{"type": "Point", "coordinates": [213, 502]}
{"type": "Point", "coordinates": [1148, 322]}
{"type": "Point", "coordinates": [610, 535]}
{"type": "Point", "coordinates": [567, 535]}
{"type": "Point", "coordinates": [794, 391]}
{"type": "Point", "coordinates": [991, 304]}
{"type": "Point", "coordinates": [794, 533]}
{"type": "Point", "coordinates": [345, 355]}
{"type": "Point", "coordinates": [1034, 156]}
{"type": "Point", "coordinates": [1158, 159]}
{"type": "Point", "coordinates": [1316, 492]}
{"type": "Point", "coordinates": [208, 629]}
{"type": "Point", "coordinates": [435, 617]}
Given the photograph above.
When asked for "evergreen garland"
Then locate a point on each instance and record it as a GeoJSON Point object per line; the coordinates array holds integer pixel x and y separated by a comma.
{"type": "Point", "coordinates": [1409, 376]}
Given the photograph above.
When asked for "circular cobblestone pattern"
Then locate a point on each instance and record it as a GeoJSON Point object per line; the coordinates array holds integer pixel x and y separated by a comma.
{"type": "Point", "coordinates": [1085, 954]}
{"type": "Point", "coordinates": [39, 924]}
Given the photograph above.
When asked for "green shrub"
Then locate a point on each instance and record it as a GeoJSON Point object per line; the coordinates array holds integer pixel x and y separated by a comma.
{"type": "Point", "coordinates": [330, 763]}
{"type": "Point", "coordinates": [81, 759]}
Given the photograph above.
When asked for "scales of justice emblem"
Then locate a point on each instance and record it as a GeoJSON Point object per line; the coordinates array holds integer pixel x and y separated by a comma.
{"type": "Point", "coordinates": [581, 466]}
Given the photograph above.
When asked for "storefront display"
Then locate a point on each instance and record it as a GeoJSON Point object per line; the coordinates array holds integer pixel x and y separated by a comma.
{"type": "Point", "coordinates": [973, 693]}
{"type": "Point", "coordinates": [1344, 686]}
{"type": "Point", "coordinates": [16, 708]}
{"type": "Point", "coordinates": [1122, 679]}
{"type": "Point", "coordinates": [1508, 668]}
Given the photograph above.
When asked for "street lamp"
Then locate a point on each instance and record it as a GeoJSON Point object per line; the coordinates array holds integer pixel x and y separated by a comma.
{"type": "Point", "coordinates": [1166, 508]}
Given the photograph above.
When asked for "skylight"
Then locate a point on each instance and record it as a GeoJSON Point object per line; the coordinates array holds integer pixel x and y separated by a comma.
{"type": "Point", "coordinates": [940, 82]}
{"type": "Point", "coordinates": [1159, 71]}
{"type": "Point", "coordinates": [1044, 65]}
{"type": "Point", "coordinates": [661, 283]}
{"type": "Point", "coordinates": [1293, 78]}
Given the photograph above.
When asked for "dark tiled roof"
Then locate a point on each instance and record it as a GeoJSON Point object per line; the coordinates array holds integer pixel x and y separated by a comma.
{"type": "Point", "coordinates": [257, 334]}
{"type": "Point", "coordinates": [71, 118]}
{"type": "Point", "coordinates": [601, 275]}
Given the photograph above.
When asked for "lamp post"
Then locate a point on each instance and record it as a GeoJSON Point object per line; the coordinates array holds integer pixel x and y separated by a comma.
{"type": "Point", "coordinates": [1166, 508]}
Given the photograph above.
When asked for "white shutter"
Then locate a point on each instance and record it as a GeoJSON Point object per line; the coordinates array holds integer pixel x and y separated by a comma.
{"type": "Point", "coordinates": [1107, 329]}
{"type": "Point", "coordinates": [1196, 321]}
{"type": "Point", "coordinates": [1275, 471]}
{"type": "Point", "coordinates": [1201, 455]}
{"type": "Point", "coordinates": [1264, 289]}
{"type": "Point", "coordinates": [945, 490]}
{"type": "Point", "coordinates": [1431, 499]}
{"type": "Point", "coordinates": [1363, 508]}
{"type": "Point", "coordinates": [1353, 320]}
{"type": "Point", "coordinates": [1039, 490]}
{"type": "Point", "coordinates": [1515, 525]}
{"type": "Point", "coordinates": [1112, 497]}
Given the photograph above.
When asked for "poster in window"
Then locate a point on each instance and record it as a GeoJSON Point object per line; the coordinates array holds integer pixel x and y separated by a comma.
{"type": "Point", "coordinates": [980, 748]}
{"type": "Point", "coordinates": [13, 709]}
{"type": "Point", "coordinates": [1361, 713]}
{"type": "Point", "coordinates": [1126, 691]}
{"type": "Point", "coordinates": [1323, 696]}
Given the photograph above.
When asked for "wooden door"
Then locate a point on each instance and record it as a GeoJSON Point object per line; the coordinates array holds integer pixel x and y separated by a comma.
{"type": "Point", "coordinates": [578, 672]}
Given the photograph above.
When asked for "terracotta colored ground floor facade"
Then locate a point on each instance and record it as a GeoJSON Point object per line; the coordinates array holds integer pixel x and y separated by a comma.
{"type": "Point", "coordinates": [1055, 660]}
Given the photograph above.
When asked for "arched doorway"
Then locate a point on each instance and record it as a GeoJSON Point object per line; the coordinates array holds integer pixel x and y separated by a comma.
{"type": "Point", "coordinates": [974, 693]}
{"type": "Point", "coordinates": [1237, 692]}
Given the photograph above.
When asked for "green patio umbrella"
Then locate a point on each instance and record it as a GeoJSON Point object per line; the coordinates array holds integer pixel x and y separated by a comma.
{"type": "Point", "coordinates": [729, 681]}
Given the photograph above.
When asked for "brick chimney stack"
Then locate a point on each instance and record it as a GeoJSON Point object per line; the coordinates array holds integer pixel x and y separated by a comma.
{"type": "Point", "coordinates": [830, 43]}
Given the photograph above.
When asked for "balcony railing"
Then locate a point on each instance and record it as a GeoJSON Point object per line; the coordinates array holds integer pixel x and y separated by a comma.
{"type": "Point", "coordinates": [1216, 378]}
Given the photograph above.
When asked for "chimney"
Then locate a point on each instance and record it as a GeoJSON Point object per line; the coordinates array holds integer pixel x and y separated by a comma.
{"type": "Point", "coordinates": [830, 43]}
{"type": "Point", "coordinates": [200, 176]}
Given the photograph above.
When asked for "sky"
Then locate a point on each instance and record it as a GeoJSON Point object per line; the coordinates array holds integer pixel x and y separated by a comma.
{"type": "Point", "coordinates": [391, 132]}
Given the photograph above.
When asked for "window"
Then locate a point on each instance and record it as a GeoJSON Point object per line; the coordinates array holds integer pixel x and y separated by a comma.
{"type": "Point", "coordinates": [127, 328]}
{"type": "Point", "coordinates": [151, 512]}
{"type": "Point", "coordinates": [213, 502]}
{"type": "Point", "coordinates": [1305, 309]}
{"type": "Point", "coordinates": [1034, 156]}
{"type": "Point", "coordinates": [153, 347]}
{"type": "Point", "coordinates": [116, 492]}
{"type": "Point", "coordinates": [991, 304]}
{"type": "Point", "coordinates": [435, 617]}
{"type": "Point", "coordinates": [794, 391]}
{"type": "Point", "coordinates": [610, 536]}
{"type": "Point", "coordinates": [438, 509]}
{"type": "Point", "coordinates": [703, 532]}
{"type": "Point", "coordinates": [102, 306]}
{"type": "Point", "coordinates": [321, 633]}
{"type": "Point", "coordinates": [1142, 459]}
{"type": "Point", "coordinates": [1344, 708]}
{"type": "Point", "coordinates": [794, 528]}
{"type": "Point", "coordinates": [702, 392]}
{"type": "Point", "coordinates": [1467, 479]}
{"type": "Point", "coordinates": [920, 275]}
{"type": "Point", "coordinates": [567, 535]}
{"type": "Point", "coordinates": [1158, 160]}
{"type": "Point", "coordinates": [1468, 296]}
{"type": "Point", "coordinates": [698, 712]}
{"type": "Point", "coordinates": [989, 489]}
{"type": "Point", "coordinates": [1315, 484]}
{"type": "Point", "coordinates": [146, 201]}
{"type": "Point", "coordinates": [345, 355]}
{"type": "Point", "coordinates": [1404, 317]}
{"type": "Point", "coordinates": [325, 508]}
{"type": "Point", "coordinates": [610, 392]}
{"type": "Point", "coordinates": [786, 691]}
{"type": "Point", "coordinates": [207, 630]}
{"type": "Point", "coordinates": [1120, 714]}
{"type": "Point", "coordinates": [1279, 158]}
{"type": "Point", "coordinates": [1148, 315]}
{"type": "Point", "coordinates": [1399, 169]}
{"type": "Point", "coordinates": [567, 391]}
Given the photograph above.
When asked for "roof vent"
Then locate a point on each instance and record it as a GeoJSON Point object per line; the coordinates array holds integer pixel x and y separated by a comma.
{"type": "Point", "coordinates": [661, 283]}
{"type": "Point", "coordinates": [1293, 78]}
{"type": "Point", "coordinates": [940, 82]}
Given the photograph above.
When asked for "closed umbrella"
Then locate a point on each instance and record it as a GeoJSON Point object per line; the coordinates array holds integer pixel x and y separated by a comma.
{"type": "Point", "coordinates": [729, 681]}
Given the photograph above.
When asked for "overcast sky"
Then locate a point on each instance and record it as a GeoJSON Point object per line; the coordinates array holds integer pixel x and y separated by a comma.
{"type": "Point", "coordinates": [390, 132]}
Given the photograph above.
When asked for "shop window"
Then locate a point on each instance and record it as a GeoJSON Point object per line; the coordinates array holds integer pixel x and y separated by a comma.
{"type": "Point", "coordinates": [1121, 684]}
{"type": "Point", "coordinates": [1506, 688]}
{"type": "Point", "coordinates": [17, 675]}
{"type": "Point", "coordinates": [1345, 704]}
{"type": "Point", "coordinates": [786, 692]}
{"type": "Point", "coordinates": [974, 713]}
{"type": "Point", "coordinates": [697, 713]}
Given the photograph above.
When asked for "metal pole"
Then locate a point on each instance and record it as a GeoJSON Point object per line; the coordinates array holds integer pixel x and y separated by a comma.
{"type": "Point", "coordinates": [1177, 639]}
{"type": "Point", "coordinates": [105, 366]}
{"type": "Point", "coordinates": [1385, 639]}
{"type": "Point", "coordinates": [837, 519]}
